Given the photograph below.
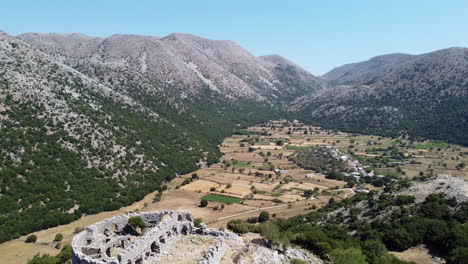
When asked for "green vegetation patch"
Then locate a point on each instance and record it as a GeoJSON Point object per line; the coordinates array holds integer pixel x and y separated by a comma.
{"type": "Point", "coordinates": [295, 147]}
{"type": "Point", "coordinates": [298, 189]}
{"type": "Point", "coordinates": [247, 132]}
{"type": "Point", "coordinates": [264, 143]}
{"type": "Point", "coordinates": [137, 221]}
{"type": "Point", "coordinates": [276, 194]}
{"type": "Point", "coordinates": [240, 164]}
{"type": "Point", "coordinates": [261, 192]}
{"type": "Point", "coordinates": [432, 144]}
{"type": "Point", "coordinates": [221, 199]}
{"type": "Point", "coordinates": [265, 167]}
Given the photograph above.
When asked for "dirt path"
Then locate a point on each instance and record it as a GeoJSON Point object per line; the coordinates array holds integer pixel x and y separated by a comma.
{"type": "Point", "coordinates": [350, 192]}
{"type": "Point", "coordinates": [246, 212]}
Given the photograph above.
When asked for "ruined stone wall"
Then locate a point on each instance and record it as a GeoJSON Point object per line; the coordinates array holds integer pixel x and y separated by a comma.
{"type": "Point", "coordinates": [108, 241]}
{"type": "Point", "coordinates": [216, 252]}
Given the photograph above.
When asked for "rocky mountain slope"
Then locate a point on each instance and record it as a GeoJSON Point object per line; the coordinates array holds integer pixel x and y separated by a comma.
{"type": "Point", "coordinates": [180, 64]}
{"type": "Point", "coordinates": [71, 145]}
{"type": "Point", "coordinates": [90, 124]}
{"type": "Point", "coordinates": [366, 71]}
{"type": "Point", "coordinates": [424, 96]}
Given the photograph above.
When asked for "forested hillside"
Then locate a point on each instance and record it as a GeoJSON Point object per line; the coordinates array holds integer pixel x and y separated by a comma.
{"type": "Point", "coordinates": [423, 97]}
{"type": "Point", "coordinates": [362, 229]}
{"type": "Point", "coordinates": [72, 146]}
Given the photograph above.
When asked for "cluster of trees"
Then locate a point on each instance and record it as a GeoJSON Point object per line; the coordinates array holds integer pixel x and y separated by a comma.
{"type": "Point", "coordinates": [318, 158]}
{"type": "Point", "coordinates": [362, 237]}
{"type": "Point", "coordinates": [63, 257]}
{"type": "Point", "coordinates": [387, 180]}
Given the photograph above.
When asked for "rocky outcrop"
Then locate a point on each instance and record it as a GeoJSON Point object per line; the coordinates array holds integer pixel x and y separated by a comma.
{"type": "Point", "coordinates": [451, 186]}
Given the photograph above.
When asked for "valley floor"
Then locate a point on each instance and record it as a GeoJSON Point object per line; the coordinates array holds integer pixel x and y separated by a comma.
{"type": "Point", "coordinates": [244, 183]}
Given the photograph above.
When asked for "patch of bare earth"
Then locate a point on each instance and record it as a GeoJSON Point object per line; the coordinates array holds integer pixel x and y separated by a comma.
{"type": "Point", "coordinates": [419, 255]}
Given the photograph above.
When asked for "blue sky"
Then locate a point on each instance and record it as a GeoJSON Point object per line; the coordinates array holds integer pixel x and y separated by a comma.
{"type": "Point", "coordinates": [317, 35]}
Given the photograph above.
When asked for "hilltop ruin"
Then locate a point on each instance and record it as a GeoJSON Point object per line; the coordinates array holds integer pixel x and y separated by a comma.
{"type": "Point", "coordinates": [170, 236]}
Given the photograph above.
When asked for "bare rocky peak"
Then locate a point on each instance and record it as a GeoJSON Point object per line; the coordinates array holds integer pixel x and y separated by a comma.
{"type": "Point", "coordinates": [277, 60]}
{"type": "Point", "coordinates": [183, 62]}
{"type": "Point", "coordinates": [365, 71]}
{"type": "Point", "coordinates": [379, 67]}
{"type": "Point", "coordinates": [438, 73]}
{"type": "Point", "coordinates": [62, 44]}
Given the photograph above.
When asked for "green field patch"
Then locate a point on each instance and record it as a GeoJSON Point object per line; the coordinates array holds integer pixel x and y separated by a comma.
{"type": "Point", "coordinates": [297, 137]}
{"type": "Point", "coordinates": [432, 144]}
{"type": "Point", "coordinates": [276, 194]}
{"type": "Point", "coordinates": [295, 147]}
{"type": "Point", "coordinates": [298, 189]}
{"type": "Point", "coordinates": [247, 132]}
{"type": "Point", "coordinates": [263, 167]}
{"type": "Point", "coordinates": [264, 143]}
{"type": "Point", "coordinates": [261, 192]}
{"type": "Point", "coordinates": [241, 164]}
{"type": "Point", "coordinates": [221, 199]}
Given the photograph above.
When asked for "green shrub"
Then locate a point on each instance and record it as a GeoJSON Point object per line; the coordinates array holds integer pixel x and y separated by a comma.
{"type": "Point", "coordinates": [240, 227]}
{"type": "Point", "coordinates": [203, 203]}
{"type": "Point", "coordinates": [58, 237]}
{"type": "Point", "coordinates": [458, 256]}
{"type": "Point", "coordinates": [197, 222]}
{"type": "Point", "coordinates": [252, 220]}
{"type": "Point", "coordinates": [263, 217]}
{"type": "Point", "coordinates": [137, 221]}
{"type": "Point", "coordinates": [63, 257]}
{"type": "Point", "coordinates": [404, 199]}
{"type": "Point", "coordinates": [348, 256]}
{"type": "Point", "coordinates": [31, 239]}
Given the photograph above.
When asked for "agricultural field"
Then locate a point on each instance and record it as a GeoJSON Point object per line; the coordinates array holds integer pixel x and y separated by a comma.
{"type": "Point", "coordinates": [255, 174]}
{"type": "Point", "coordinates": [221, 199]}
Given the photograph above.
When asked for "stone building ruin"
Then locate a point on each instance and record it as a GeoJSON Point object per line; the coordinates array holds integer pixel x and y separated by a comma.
{"type": "Point", "coordinates": [115, 241]}
{"type": "Point", "coordinates": [171, 237]}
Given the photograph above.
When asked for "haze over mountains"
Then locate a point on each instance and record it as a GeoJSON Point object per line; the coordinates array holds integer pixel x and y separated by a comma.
{"type": "Point", "coordinates": [109, 119]}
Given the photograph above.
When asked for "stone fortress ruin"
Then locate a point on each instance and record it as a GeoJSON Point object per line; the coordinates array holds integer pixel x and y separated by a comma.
{"type": "Point", "coordinates": [115, 241]}
{"type": "Point", "coordinates": [169, 237]}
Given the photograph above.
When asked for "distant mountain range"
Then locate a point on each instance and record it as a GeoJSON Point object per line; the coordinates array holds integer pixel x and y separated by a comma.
{"type": "Point", "coordinates": [179, 64]}
{"type": "Point", "coordinates": [423, 96]}
{"type": "Point", "coordinates": [362, 72]}
{"type": "Point", "coordinates": [96, 123]}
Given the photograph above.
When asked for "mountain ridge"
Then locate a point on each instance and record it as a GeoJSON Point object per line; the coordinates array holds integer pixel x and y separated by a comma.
{"type": "Point", "coordinates": [424, 97]}
{"type": "Point", "coordinates": [111, 119]}
{"type": "Point", "coordinates": [191, 61]}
